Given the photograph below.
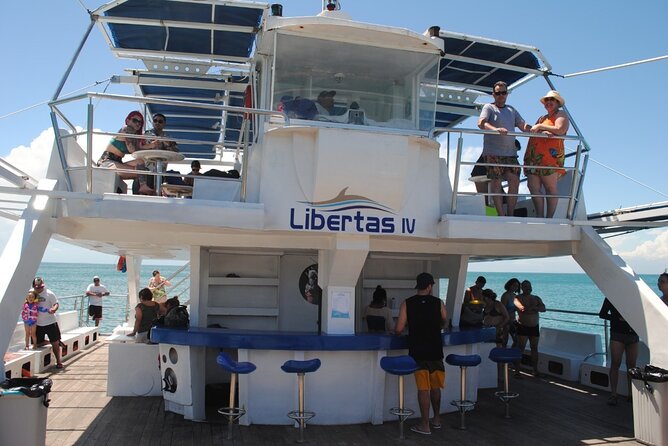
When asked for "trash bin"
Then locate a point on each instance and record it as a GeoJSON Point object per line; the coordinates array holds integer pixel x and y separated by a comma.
{"type": "Point", "coordinates": [23, 406]}
{"type": "Point", "coordinates": [650, 404]}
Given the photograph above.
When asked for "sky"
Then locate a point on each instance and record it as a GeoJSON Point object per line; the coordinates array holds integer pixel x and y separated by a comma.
{"type": "Point", "coordinates": [620, 113]}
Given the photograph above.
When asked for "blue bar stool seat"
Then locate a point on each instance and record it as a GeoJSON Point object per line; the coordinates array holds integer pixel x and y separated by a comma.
{"type": "Point", "coordinates": [505, 356]}
{"type": "Point", "coordinates": [301, 368]}
{"type": "Point", "coordinates": [400, 366]}
{"type": "Point", "coordinates": [235, 368]}
{"type": "Point", "coordinates": [462, 404]}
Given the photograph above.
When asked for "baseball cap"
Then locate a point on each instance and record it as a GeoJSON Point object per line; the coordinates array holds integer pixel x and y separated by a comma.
{"type": "Point", "coordinates": [37, 282]}
{"type": "Point", "coordinates": [325, 93]}
{"type": "Point", "coordinates": [424, 280]}
{"type": "Point", "coordinates": [96, 277]}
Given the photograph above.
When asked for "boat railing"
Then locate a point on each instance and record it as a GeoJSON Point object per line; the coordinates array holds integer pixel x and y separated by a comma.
{"type": "Point", "coordinates": [578, 167]}
{"type": "Point", "coordinates": [79, 303]}
{"type": "Point", "coordinates": [241, 145]}
{"type": "Point", "coordinates": [586, 323]}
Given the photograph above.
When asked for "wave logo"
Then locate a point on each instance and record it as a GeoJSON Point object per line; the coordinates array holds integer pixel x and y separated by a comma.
{"type": "Point", "coordinates": [344, 202]}
{"type": "Point", "coordinates": [324, 215]}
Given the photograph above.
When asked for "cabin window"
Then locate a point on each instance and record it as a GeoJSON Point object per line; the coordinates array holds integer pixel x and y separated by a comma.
{"type": "Point", "coordinates": [372, 86]}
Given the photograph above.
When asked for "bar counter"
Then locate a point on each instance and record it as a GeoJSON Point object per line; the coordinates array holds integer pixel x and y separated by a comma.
{"type": "Point", "coordinates": [349, 388]}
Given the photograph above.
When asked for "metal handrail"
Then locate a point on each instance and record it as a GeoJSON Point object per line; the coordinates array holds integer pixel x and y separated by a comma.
{"type": "Point", "coordinates": [575, 190]}
{"type": "Point", "coordinates": [246, 112]}
{"type": "Point", "coordinates": [606, 331]}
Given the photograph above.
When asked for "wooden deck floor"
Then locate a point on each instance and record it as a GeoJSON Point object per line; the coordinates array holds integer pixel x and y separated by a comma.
{"type": "Point", "coordinates": [548, 412]}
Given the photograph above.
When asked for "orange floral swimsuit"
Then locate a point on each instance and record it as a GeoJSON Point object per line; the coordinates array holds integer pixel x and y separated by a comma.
{"type": "Point", "coordinates": [548, 152]}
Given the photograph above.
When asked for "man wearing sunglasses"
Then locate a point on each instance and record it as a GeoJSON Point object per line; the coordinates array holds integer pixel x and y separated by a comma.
{"type": "Point", "coordinates": [158, 129]}
{"type": "Point", "coordinates": [159, 121]}
{"type": "Point", "coordinates": [500, 149]}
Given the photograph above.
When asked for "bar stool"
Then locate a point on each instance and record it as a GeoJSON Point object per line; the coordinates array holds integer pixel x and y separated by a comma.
{"type": "Point", "coordinates": [462, 404]}
{"type": "Point", "coordinates": [505, 356]}
{"type": "Point", "coordinates": [235, 368]}
{"type": "Point", "coordinates": [400, 366]}
{"type": "Point", "coordinates": [301, 368]}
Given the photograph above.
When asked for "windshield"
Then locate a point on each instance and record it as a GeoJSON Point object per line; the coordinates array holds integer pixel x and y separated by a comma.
{"type": "Point", "coordinates": [347, 83]}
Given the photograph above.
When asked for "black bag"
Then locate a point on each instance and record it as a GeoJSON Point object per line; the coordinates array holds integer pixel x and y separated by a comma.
{"type": "Point", "coordinates": [648, 374]}
{"type": "Point", "coordinates": [177, 317]}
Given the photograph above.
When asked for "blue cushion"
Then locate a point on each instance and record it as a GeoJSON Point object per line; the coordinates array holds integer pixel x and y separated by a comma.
{"type": "Point", "coordinates": [398, 365]}
{"type": "Point", "coordinates": [463, 360]}
{"type": "Point", "coordinates": [505, 354]}
{"type": "Point", "coordinates": [225, 361]}
{"type": "Point", "coordinates": [301, 366]}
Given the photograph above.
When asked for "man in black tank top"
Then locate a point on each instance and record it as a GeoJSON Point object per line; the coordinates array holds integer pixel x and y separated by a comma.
{"type": "Point", "coordinates": [425, 315]}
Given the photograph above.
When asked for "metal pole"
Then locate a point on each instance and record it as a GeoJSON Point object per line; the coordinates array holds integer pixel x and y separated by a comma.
{"type": "Point", "coordinates": [462, 397]}
{"type": "Point", "coordinates": [89, 149]}
{"type": "Point", "coordinates": [230, 418]}
{"type": "Point", "coordinates": [300, 378]}
{"type": "Point", "coordinates": [61, 151]}
{"type": "Point", "coordinates": [460, 144]}
{"type": "Point", "coordinates": [401, 407]}
{"type": "Point", "coordinates": [74, 59]}
{"type": "Point", "coordinates": [570, 214]}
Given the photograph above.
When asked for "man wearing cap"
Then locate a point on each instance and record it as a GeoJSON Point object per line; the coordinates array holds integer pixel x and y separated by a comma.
{"type": "Point", "coordinates": [500, 149]}
{"type": "Point", "coordinates": [47, 324]}
{"type": "Point", "coordinates": [325, 103]}
{"type": "Point", "coordinates": [95, 292]}
{"type": "Point", "coordinates": [425, 315]}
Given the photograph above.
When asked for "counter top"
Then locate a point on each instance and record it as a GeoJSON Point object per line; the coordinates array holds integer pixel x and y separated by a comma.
{"type": "Point", "coordinates": [290, 340]}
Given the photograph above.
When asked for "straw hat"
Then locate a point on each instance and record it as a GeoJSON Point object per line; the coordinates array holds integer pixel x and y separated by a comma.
{"type": "Point", "coordinates": [554, 94]}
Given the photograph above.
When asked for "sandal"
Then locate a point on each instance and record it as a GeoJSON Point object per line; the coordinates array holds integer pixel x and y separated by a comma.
{"type": "Point", "coordinates": [60, 366]}
{"type": "Point", "coordinates": [417, 430]}
{"type": "Point", "coordinates": [435, 426]}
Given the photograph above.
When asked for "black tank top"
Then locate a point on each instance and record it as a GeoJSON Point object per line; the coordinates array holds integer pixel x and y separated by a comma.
{"type": "Point", "coordinates": [424, 328]}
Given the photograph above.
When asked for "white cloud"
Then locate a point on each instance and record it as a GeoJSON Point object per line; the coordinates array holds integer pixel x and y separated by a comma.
{"type": "Point", "coordinates": [34, 159]}
{"type": "Point", "coordinates": [645, 250]}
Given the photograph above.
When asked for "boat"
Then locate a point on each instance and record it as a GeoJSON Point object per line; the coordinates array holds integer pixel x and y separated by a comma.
{"type": "Point", "coordinates": [328, 204]}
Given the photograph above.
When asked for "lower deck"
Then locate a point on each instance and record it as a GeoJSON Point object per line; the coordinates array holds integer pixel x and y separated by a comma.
{"type": "Point", "coordinates": [548, 411]}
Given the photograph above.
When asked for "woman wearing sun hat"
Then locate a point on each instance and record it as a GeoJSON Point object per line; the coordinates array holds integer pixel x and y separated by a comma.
{"type": "Point", "coordinates": [548, 153]}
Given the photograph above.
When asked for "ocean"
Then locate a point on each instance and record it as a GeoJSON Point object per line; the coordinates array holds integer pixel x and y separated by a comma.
{"type": "Point", "coordinates": [574, 292]}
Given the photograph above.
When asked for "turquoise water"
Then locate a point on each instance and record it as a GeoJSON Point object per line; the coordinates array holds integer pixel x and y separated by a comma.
{"type": "Point", "coordinates": [72, 279]}
{"type": "Point", "coordinates": [559, 291]}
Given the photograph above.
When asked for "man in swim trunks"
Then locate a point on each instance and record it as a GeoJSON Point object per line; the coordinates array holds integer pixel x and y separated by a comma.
{"type": "Point", "coordinates": [425, 315]}
{"type": "Point", "coordinates": [528, 306]}
{"type": "Point", "coordinates": [500, 149]}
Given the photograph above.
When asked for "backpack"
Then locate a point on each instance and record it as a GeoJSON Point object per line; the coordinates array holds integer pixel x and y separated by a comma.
{"type": "Point", "coordinates": [177, 317]}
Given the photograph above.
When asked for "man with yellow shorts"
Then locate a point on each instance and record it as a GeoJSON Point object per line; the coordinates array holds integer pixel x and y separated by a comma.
{"type": "Point", "coordinates": [425, 315]}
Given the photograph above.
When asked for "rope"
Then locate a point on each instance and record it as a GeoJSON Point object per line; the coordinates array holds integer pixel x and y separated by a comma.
{"type": "Point", "coordinates": [30, 107]}
{"type": "Point", "coordinates": [628, 177]}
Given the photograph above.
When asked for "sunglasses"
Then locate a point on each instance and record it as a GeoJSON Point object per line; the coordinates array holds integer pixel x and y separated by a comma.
{"type": "Point", "coordinates": [500, 93]}
{"type": "Point", "coordinates": [137, 121]}
{"type": "Point", "coordinates": [159, 121]}
{"type": "Point", "coordinates": [196, 169]}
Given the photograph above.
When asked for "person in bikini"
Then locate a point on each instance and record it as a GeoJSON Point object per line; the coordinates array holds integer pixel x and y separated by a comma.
{"type": "Point", "coordinates": [119, 146]}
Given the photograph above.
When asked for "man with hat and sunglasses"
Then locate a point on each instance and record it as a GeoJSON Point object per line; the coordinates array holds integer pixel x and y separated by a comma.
{"type": "Point", "coordinates": [425, 316]}
{"type": "Point", "coordinates": [95, 292]}
{"type": "Point", "coordinates": [47, 324]}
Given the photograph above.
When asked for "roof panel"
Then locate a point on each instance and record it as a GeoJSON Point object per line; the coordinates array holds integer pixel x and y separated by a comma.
{"type": "Point", "coordinates": [182, 39]}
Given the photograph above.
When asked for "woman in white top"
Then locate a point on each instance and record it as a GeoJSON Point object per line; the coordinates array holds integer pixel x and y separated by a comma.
{"type": "Point", "coordinates": [378, 316]}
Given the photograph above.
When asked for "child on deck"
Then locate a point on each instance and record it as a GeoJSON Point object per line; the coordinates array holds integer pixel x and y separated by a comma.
{"type": "Point", "coordinates": [29, 316]}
